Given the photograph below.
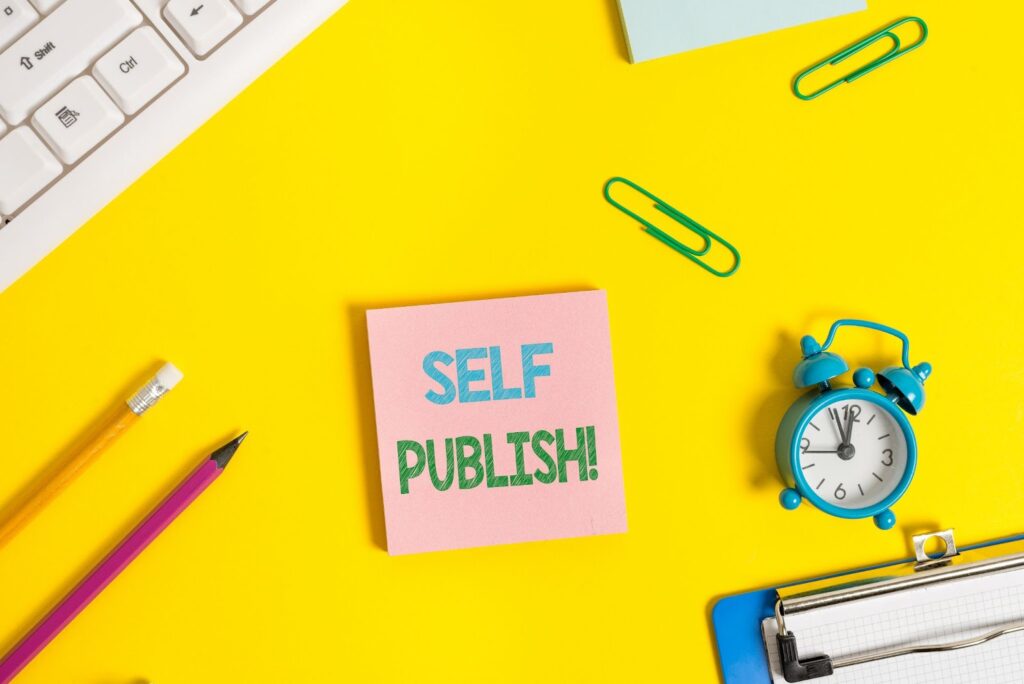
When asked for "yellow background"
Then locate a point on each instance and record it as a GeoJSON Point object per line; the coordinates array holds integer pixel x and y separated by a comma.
{"type": "Point", "coordinates": [414, 151]}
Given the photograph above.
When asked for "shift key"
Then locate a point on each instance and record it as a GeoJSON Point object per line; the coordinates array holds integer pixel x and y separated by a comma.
{"type": "Point", "coordinates": [58, 49]}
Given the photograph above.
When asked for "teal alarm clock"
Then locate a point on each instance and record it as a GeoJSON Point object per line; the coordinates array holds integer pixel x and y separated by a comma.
{"type": "Point", "coordinates": [850, 451]}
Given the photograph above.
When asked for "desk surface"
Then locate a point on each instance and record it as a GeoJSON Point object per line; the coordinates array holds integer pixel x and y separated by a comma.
{"type": "Point", "coordinates": [414, 152]}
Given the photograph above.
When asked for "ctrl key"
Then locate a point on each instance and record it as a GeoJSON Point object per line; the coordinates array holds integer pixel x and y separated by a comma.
{"type": "Point", "coordinates": [26, 167]}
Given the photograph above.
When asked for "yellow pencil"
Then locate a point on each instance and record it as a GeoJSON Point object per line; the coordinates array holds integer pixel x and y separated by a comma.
{"type": "Point", "coordinates": [116, 425]}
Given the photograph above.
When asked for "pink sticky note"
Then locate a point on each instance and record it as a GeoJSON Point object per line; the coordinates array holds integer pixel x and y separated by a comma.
{"type": "Point", "coordinates": [516, 395]}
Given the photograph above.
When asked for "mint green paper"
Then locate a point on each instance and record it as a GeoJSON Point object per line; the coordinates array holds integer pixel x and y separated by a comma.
{"type": "Point", "coordinates": [656, 28]}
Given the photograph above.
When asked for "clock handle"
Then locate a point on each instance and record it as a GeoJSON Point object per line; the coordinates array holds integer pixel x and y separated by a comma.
{"type": "Point", "coordinates": [858, 323]}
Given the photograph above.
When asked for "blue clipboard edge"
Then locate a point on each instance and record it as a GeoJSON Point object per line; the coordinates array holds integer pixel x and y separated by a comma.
{"type": "Point", "coordinates": [736, 620]}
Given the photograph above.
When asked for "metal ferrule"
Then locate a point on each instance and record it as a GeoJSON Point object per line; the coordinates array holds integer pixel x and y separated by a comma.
{"type": "Point", "coordinates": [147, 397]}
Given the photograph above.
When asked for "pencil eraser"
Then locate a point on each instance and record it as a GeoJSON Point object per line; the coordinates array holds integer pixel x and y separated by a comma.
{"type": "Point", "coordinates": [169, 376]}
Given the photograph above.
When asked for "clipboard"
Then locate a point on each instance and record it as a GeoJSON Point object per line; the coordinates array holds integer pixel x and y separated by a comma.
{"type": "Point", "coordinates": [737, 620]}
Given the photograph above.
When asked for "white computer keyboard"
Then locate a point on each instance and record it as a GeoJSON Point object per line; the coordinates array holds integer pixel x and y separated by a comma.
{"type": "Point", "coordinates": [93, 92]}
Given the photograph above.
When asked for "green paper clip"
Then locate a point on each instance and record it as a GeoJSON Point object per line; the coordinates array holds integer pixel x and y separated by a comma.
{"type": "Point", "coordinates": [676, 215]}
{"type": "Point", "coordinates": [897, 50]}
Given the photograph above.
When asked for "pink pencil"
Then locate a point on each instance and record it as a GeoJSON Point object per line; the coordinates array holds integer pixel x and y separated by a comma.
{"type": "Point", "coordinates": [111, 566]}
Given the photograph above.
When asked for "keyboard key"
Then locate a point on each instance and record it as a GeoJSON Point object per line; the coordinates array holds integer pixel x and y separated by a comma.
{"type": "Point", "coordinates": [59, 48]}
{"type": "Point", "coordinates": [16, 16]}
{"type": "Point", "coordinates": [202, 24]}
{"type": "Point", "coordinates": [46, 6]}
{"type": "Point", "coordinates": [26, 167]}
{"type": "Point", "coordinates": [251, 6]}
{"type": "Point", "coordinates": [77, 119]}
{"type": "Point", "coordinates": [138, 69]}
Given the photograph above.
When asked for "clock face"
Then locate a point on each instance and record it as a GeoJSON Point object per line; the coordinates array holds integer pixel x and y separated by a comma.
{"type": "Point", "coordinates": [853, 453]}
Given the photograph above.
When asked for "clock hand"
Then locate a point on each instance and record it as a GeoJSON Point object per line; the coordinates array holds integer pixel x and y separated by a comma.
{"type": "Point", "coordinates": [823, 451]}
{"type": "Point", "coordinates": [849, 428]}
{"type": "Point", "coordinates": [834, 414]}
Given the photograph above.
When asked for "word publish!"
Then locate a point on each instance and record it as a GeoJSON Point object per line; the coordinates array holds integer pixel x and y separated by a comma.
{"type": "Point", "coordinates": [469, 461]}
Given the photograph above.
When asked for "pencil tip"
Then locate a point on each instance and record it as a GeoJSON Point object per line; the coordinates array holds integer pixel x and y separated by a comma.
{"type": "Point", "coordinates": [223, 455]}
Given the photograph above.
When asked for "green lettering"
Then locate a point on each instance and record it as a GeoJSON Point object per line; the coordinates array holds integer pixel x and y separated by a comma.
{"type": "Point", "coordinates": [449, 477]}
{"type": "Point", "coordinates": [592, 451]}
{"type": "Point", "coordinates": [579, 454]}
{"type": "Point", "coordinates": [405, 471]}
{"type": "Point", "coordinates": [549, 476]}
{"type": "Point", "coordinates": [492, 479]}
{"type": "Point", "coordinates": [521, 478]}
{"type": "Point", "coordinates": [472, 460]}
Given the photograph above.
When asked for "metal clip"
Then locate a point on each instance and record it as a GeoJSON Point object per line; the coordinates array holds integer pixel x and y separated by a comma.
{"type": "Point", "coordinates": [897, 50]}
{"type": "Point", "coordinates": [926, 561]}
{"type": "Point", "coordinates": [678, 216]}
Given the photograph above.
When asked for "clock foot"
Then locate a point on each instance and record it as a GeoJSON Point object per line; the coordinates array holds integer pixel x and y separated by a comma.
{"type": "Point", "coordinates": [790, 499]}
{"type": "Point", "coordinates": [885, 520]}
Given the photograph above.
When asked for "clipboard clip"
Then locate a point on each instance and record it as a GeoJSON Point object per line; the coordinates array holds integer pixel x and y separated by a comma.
{"type": "Point", "coordinates": [795, 669]}
{"type": "Point", "coordinates": [895, 51]}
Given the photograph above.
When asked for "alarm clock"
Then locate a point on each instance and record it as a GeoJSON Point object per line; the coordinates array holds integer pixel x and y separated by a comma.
{"type": "Point", "coordinates": [850, 451]}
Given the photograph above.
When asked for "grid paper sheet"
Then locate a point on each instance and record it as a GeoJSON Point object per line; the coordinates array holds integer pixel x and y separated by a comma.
{"type": "Point", "coordinates": [946, 612]}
